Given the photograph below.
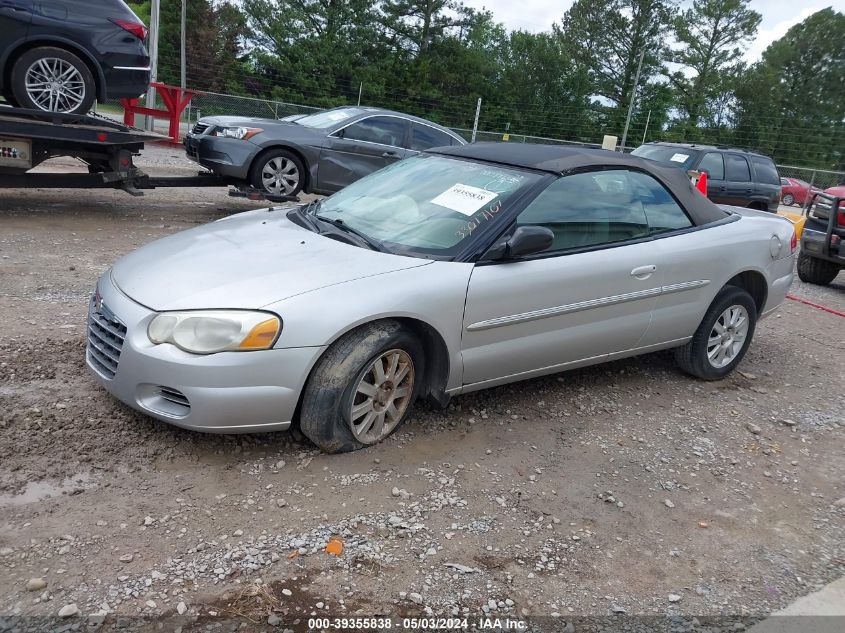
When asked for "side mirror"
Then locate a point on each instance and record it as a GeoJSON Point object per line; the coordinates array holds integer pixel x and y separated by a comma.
{"type": "Point", "coordinates": [526, 240]}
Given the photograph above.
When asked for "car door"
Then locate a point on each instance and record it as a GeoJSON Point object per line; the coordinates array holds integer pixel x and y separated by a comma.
{"type": "Point", "coordinates": [15, 16]}
{"type": "Point", "coordinates": [359, 149]}
{"type": "Point", "coordinates": [738, 185]}
{"type": "Point", "coordinates": [688, 258]}
{"type": "Point", "coordinates": [590, 294]}
{"type": "Point", "coordinates": [714, 164]}
{"type": "Point", "coordinates": [766, 181]}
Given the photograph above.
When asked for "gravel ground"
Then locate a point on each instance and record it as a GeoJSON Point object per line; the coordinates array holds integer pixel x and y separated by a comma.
{"type": "Point", "coordinates": [624, 488]}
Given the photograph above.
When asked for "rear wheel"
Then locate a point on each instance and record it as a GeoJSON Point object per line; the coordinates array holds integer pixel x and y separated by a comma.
{"type": "Point", "coordinates": [278, 172]}
{"type": "Point", "coordinates": [722, 338]}
{"type": "Point", "coordinates": [816, 271]}
{"type": "Point", "coordinates": [53, 80]}
{"type": "Point", "coordinates": [363, 387]}
{"type": "Point", "coordinates": [789, 199]}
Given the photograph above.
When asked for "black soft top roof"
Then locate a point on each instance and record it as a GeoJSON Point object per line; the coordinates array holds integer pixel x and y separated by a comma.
{"type": "Point", "coordinates": [562, 159]}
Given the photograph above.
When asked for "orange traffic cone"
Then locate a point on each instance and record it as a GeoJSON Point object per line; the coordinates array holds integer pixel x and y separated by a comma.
{"type": "Point", "coordinates": [701, 185]}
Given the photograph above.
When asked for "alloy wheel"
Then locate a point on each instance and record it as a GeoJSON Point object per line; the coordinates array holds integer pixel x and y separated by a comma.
{"type": "Point", "coordinates": [727, 336]}
{"type": "Point", "coordinates": [55, 85]}
{"type": "Point", "coordinates": [382, 396]}
{"type": "Point", "coordinates": [280, 176]}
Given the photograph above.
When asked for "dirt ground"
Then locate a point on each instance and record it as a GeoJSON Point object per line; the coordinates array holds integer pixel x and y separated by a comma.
{"type": "Point", "coordinates": [624, 488]}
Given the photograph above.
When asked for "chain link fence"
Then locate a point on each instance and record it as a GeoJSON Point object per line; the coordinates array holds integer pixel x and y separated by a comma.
{"type": "Point", "coordinates": [818, 178]}
{"type": "Point", "coordinates": [214, 103]}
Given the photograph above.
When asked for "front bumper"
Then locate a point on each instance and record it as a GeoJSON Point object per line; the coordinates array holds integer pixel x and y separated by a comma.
{"type": "Point", "coordinates": [814, 242]}
{"type": "Point", "coordinates": [229, 392]}
{"type": "Point", "coordinates": [227, 157]}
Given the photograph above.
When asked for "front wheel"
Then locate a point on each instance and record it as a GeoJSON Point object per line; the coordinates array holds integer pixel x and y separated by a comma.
{"type": "Point", "coordinates": [722, 338]}
{"type": "Point", "coordinates": [816, 271]}
{"type": "Point", "coordinates": [789, 199]}
{"type": "Point", "coordinates": [53, 80]}
{"type": "Point", "coordinates": [278, 172]}
{"type": "Point", "coordinates": [363, 387]}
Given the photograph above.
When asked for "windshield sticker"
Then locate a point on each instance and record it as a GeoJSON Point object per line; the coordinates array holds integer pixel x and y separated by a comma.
{"type": "Point", "coordinates": [679, 158]}
{"type": "Point", "coordinates": [464, 198]}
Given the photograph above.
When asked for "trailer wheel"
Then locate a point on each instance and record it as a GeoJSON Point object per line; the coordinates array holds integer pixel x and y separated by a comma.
{"type": "Point", "coordinates": [54, 80]}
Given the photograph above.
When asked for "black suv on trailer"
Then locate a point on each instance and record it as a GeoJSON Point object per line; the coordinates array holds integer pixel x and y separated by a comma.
{"type": "Point", "coordinates": [734, 176]}
{"type": "Point", "coordinates": [61, 55]}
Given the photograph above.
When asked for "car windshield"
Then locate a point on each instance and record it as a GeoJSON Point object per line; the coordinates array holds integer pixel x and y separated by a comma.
{"type": "Point", "coordinates": [426, 205]}
{"type": "Point", "coordinates": [329, 117]}
{"type": "Point", "coordinates": [679, 156]}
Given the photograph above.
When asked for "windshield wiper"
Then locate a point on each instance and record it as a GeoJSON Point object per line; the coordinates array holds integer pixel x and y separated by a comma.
{"type": "Point", "coordinates": [369, 241]}
{"type": "Point", "coordinates": [302, 213]}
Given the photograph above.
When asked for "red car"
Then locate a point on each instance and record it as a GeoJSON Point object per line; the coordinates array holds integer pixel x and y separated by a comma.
{"type": "Point", "coordinates": [794, 191]}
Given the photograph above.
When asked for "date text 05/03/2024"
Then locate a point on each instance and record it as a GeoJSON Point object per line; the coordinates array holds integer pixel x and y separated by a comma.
{"type": "Point", "coordinates": [430, 623]}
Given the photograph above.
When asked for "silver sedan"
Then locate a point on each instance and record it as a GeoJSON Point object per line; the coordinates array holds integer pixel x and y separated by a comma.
{"type": "Point", "coordinates": [460, 269]}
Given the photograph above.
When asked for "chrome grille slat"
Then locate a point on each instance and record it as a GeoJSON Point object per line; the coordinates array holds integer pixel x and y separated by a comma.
{"type": "Point", "coordinates": [199, 128]}
{"type": "Point", "coordinates": [106, 369]}
{"type": "Point", "coordinates": [105, 340]}
{"type": "Point", "coordinates": [114, 330]}
{"type": "Point", "coordinates": [96, 344]}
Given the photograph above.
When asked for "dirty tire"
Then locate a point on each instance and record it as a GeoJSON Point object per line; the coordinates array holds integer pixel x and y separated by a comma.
{"type": "Point", "coordinates": [692, 357]}
{"type": "Point", "coordinates": [84, 89]}
{"type": "Point", "coordinates": [816, 271]}
{"type": "Point", "coordinates": [277, 158]}
{"type": "Point", "coordinates": [329, 393]}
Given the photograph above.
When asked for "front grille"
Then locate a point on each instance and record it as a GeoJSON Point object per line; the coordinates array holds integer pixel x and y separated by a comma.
{"type": "Point", "coordinates": [105, 339]}
{"type": "Point", "coordinates": [199, 128]}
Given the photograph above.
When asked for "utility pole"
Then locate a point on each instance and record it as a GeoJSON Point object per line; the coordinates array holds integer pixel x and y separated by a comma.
{"type": "Point", "coordinates": [360, 90]}
{"type": "Point", "coordinates": [631, 104]}
{"type": "Point", "coordinates": [475, 124]}
{"type": "Point", "coordinates": [184, 64]}
{"type": "Point", "coordinates": [647, 121]}
{"type": "Point", "coordinates": [154, 28]}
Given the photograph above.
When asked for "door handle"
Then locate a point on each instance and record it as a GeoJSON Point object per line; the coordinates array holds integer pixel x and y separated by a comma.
{"type": "Point", "coordinates": [388, 154]}
{"type": "Point", "coordinates": [643, 272]}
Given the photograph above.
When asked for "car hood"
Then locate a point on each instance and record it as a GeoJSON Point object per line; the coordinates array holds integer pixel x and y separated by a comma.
{"type": "Point", "coordinates": [233, 121]}
{"type": "Point", "coordinates": [248, 261]}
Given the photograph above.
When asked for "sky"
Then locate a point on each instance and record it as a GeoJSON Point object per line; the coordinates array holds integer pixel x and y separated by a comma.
{"type": "Point", "coordinates": [778, 16]}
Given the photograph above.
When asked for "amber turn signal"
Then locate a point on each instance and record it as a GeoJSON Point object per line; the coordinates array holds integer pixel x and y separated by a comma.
{"type": "Point", "coordinates": [262, 335]}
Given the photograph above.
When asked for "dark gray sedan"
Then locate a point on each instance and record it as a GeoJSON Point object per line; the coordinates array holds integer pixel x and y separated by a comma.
{"type": "Point", "coordinates": [318, 153]}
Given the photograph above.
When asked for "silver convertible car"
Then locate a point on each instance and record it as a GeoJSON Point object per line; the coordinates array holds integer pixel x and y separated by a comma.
{"type": "Point", "coordinates": [459, 269]}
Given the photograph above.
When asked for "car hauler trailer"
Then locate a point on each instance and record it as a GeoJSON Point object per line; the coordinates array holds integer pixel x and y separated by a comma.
{"type": "Point", "coordinates": [30, 137]}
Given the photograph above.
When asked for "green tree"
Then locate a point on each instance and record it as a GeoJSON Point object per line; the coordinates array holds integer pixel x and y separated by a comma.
{"type": "Point", "coordinates": [214, 31]}
{"type": "Point", "coordinates": [606, 39]}
{"type": "Point", "coordinates": [711, 35]}
{"type": "Point", "coordinates": [792, 103]}
{"type": "Point", "coordinates": [315, 50]}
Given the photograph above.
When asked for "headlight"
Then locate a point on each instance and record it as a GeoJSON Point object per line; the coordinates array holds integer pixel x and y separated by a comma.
{"type": "Point", "coordinates": [242, 133]}
{"type": "Point", "coordinates": [210, 331]}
